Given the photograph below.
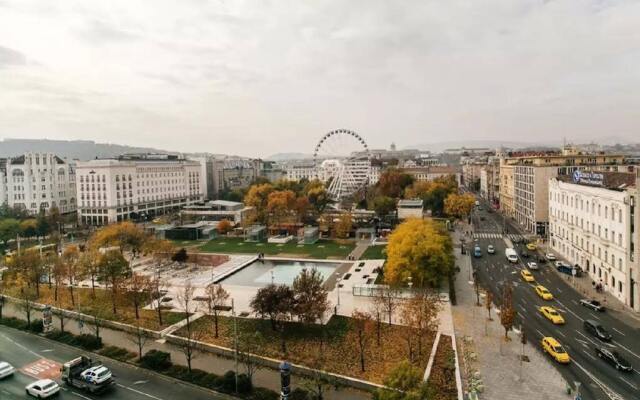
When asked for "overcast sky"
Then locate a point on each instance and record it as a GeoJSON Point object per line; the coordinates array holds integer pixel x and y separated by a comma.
{"type": "Point", "coordinates": [260, 77]}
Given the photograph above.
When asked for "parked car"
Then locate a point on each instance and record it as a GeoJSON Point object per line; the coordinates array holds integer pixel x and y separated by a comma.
{"type": "Point", "coordinates": [614, 358]}
{"type": "Point", "coordinates": [568, 269]}
{"type": "Point", "coordinates": [6, 369]}
{"type": "Point", "coordinates": [42, 389]}
{"type": "Point", "coordinates": [596, 329]}
{"type": "Point", "coordinates": [491, 249]}
{"type": "Point", "coordinates": [550, 256]}
{"type": "Point", "coordinates": [552, 347]}
{"type": "Point", "coordinates": [532, 266]}
{"type": "Point", "coordinates": [592, 304]}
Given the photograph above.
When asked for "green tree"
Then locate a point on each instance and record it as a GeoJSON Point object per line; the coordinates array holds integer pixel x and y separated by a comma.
{"type": "Point", "coordinates": [310, 296]}
{"type": "Point", "coordinates": [383, 205]}
{"type": "Point", "coordinates": [9, 229]}
{"type": "Point", "coordinates": [42, 225]}
{"type": "Point", "coordinates": [28, 228]}
{"type": "Point", "coordinates": [404, 383]}
{"type": "Point", "coordinates": [277, 302]}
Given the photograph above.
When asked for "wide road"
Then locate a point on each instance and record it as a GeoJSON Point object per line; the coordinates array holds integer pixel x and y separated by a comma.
{"type": "Point", "coordinates": [32, 355]}
{"type": "Point", "coordinates": [598, 379]}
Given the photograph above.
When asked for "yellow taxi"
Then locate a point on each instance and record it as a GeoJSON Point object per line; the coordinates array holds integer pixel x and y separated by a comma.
{"type": "Point", "coordinates": [543, 293]}
{"type": "Point", "coordinates": [552, 315]}
{"type": "Point", "coordinates": [552, 347]}
{"type": "Point", "coordinates": [531, 246]}
{"type": "Point", "coordinates": [527, 276]}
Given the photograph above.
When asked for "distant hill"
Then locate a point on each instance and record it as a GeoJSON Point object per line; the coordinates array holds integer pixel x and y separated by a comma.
{"type": "Point", "coordinates": [289, 156]}
{"type": "Point", "coordinates": [438, 147]}
{"type": "Point", "coordinates": [71, 149]}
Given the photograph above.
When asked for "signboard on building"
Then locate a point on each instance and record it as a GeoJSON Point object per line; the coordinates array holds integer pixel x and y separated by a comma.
{"type": "Point", "coordinates": [588, 178]}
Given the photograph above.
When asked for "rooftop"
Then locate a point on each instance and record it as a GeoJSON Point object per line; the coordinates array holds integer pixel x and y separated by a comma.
{"type": "Point", "coordinates": [603, 179]}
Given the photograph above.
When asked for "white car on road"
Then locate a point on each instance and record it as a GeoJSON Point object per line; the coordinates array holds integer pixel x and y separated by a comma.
{"type": "Point", "coordinates": [6, 369]}
{"type": "Point", "coordinates": [43, 388]}
{"type": "Point", "coordinates": [97, 374]}
{"type": "Point", "coordinates": [532, 266]}
{"type": "Point", "coordinates": [550, 256]}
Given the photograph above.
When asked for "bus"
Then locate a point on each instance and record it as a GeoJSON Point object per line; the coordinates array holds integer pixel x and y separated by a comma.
{"type": "Point", "coordinates": [511, 254]}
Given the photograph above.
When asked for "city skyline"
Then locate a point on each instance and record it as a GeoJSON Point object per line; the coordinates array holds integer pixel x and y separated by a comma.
{"type": "Point", "coordinates": [256, 79]}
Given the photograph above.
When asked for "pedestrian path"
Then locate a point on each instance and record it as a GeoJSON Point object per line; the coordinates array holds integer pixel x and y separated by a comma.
{"type": "Point", "coordinates": [495, 235]}
{"type": "Point", "coordinates": [491, 365]}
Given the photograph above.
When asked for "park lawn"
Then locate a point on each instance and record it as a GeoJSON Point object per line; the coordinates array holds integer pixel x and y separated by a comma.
{"type": "Point", "coordinates": [100, 306]}
{"type": "Point", "coordinates": [340, 347]}
{"type": "Point", "coordinates": [320, 250]}
{"type": "Point", "coordinates": [375, 252]}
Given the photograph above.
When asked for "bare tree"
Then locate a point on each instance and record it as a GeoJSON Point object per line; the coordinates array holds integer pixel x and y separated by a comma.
{"type": "Point", "coordinates": [362, 324]}
{"type": "Point", "coordinates": [317, 382]}
{"type": "Point", "coordinates": [249, 344]}
{"type": "Point", "coordinates": [139, 337]}
{"type": "Point", "coordinates": [193, 332]}
{"type": "Point", "coordinates": [158, 286]}
{"type": "Point", "coordinates": [391, 303]}
{"type": "Point", "coordinates": [487, 304]}
{"type": "Point", "coordinates": [28, 296]}
{"type": "Point", "coordinates": [377, 311]}
{"type": "Point", "coordinates": [216, 299]}
{"type": "Point", "coordinates": [507, 313]}
{"type": "Point", "coordinates": [138, 287]}
{"type": "Point", "coordinates": [419, 314]}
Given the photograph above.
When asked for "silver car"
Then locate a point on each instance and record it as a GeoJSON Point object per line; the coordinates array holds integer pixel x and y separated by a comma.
{"type": "Point", "coordinates": [6, 369]}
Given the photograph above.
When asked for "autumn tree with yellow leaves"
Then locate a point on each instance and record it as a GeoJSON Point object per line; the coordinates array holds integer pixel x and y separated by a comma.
{"type": "Point", "coordinates": [459, 205]}
{"type": "Point", "coordinates": [258, 198]}
{"type": "Point", "coordinates": [421, 250]}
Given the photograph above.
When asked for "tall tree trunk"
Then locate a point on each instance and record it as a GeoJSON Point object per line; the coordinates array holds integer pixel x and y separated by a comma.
{"type": "Point", "coordinates": [93, 286]}
{"type": "Point", "coordinates": [73, 300]}
{"type": "Point", "coordinates": [215, 323]}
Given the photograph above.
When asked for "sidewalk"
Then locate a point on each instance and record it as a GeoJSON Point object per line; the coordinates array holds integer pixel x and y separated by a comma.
{"type": "Point", "coordinates": [486, 356]}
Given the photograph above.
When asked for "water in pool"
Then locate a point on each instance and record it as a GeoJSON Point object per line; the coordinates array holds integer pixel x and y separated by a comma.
{"type": "Point", "coordinates": [259, 273]}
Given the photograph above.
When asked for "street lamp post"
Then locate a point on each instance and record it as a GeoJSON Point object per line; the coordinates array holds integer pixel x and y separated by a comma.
{"type": "Point", "coordinates": [338, 279]}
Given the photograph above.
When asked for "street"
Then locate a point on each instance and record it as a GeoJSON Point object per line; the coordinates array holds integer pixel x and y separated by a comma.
{"type": "Point", "coordinates": [34, 356]}
{"type": "Point", "coordinates": [598, 380]}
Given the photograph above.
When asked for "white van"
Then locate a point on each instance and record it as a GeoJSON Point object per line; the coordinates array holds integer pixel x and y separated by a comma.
{"type": "Point", "coordinates": [511, 254]}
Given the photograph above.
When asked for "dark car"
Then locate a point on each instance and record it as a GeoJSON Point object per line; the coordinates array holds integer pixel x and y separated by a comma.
{"type": "Point", "coordinates": [541, 260]}
{"type": "Point", "coordinates": [592, 304]}
{"type": "Point", "coordinates": [597, 330]}
{"type": "Point", "coordinates": [524, 254]}
{"type": "Point", "coordinates": [614, 358]}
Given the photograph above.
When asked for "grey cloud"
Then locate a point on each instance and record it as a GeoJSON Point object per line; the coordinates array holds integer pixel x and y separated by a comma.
{"type": "Point", "coordinates": [10, 57]}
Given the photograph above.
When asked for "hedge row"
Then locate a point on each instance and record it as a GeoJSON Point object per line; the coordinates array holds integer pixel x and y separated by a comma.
{"type": "Point", "coordinates": [160, 361]}
{"type": "Point", "coordinates": [85, 341]}
{"type": "Point", "coordinates": [35, 326]}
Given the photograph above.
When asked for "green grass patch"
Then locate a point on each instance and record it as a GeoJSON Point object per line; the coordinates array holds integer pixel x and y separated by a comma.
{"type": "Point", "coordinates": [376, 252]}
{"type": "Point", "coordinates": [322, 249]}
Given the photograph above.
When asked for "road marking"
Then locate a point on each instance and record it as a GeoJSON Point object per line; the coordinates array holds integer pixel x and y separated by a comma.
{"type": "Point", "coordinates": [618, 331]}
{"type": "Point", "coordinates": [624, 347]}
{"type": "Point", "coordinates": [139, 382]}
{"type": "Point", "coordinates": [561, 334]}
{"type": "Point", "coordinates": [82, 396]}
{"type": "Point", "coordinates": [589, 339]}
{"type": "Point", "coordinates": [540, 333]}
{"type": "Point", "coordinates": [567, 308]}
{"type": "Point", "coordinates": [607, 390]}
{"type": "Point", "coordinates": [593, 316]}
{"type": "Point", "coordinates": [629, 383]}
{"type": "Point", "coordinates": [588, 355]}
{"type": "Point", "coordinates": [47, 350]}
{"type": "Point", "coordinates": [139, 392]}
{"type": "Point", "coordinates": [21, 346]}
{"type": "Point", "coordinates": [524, 301]}
{"type": "Point", "coordinates": [523, 309]}
{"type": "Point", "coordinates": [574, 302]}
{"type": "Point", "coordinates": [559, 290]}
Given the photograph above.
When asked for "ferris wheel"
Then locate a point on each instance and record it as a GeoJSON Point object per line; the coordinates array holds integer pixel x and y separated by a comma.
{"type": "Point", "coordinates": [342, 159]}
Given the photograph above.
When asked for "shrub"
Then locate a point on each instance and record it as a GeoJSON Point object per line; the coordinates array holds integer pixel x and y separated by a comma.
{"type": "Point", "coordinates": [227, 382]}
{"type": "Point", "coordinates": [299, 394]}
{"type": "Point", "coordinates": [117, 353]}
{"type": "Point", "coordinates": [14, 323]}
{"type": "Point", "coordinates": [88, 342]}
{"type": "Point", "coordinates": [179, 372]}
{"type": "Point", "coordinates": [156, 360]}
{"type": "Point", "coordinates": [36, 326]}
{"type": "Point", "coordinates": [260, 393]}
{"type": "Point", "coordinates": [63, 337]}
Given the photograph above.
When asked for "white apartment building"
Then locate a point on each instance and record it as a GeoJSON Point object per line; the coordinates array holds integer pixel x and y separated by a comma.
{"type": "Point", "coordinates": [300, 170]}
{"type": "Point", "coordinates": [592, 221]}
{"type": "Point", "coordinates": [136, 185]}
{"type": "Point", "coordinates": [37, 182]}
